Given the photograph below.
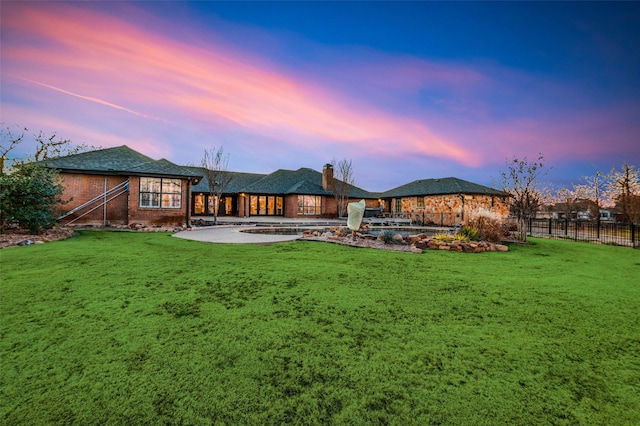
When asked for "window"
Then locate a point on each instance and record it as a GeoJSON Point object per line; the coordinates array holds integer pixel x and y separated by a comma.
{"type": "Point", "coordinates": [160, 193]}
{"type": "Point", "coordinates": [309, 204]}
{"type": "Point", "coordinates": [420, 202]}
{"type": "Point", "coordinates": [198, 204]}
{"type": "Point", "coordinates": [265, 205]}
{"type": "Point", "coordinates": [262, 205]}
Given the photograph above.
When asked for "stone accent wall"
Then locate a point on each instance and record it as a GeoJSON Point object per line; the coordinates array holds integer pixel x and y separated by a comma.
{"type": "Point", "coordinates": [449, 209]}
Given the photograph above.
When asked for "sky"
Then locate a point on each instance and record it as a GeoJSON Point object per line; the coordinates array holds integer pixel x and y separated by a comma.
{"type": "Point", "coordinates": [404, 90]}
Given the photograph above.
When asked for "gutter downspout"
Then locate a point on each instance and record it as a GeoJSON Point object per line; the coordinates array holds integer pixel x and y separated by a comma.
{"type": "Point", "coordinates": [104, 205]}
{"type": "Point", "coordinates": [188, 206]}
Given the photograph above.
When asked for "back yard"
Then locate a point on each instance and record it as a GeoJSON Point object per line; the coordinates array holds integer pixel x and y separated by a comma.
{"type": "Point", "coordinates": [143, 328]}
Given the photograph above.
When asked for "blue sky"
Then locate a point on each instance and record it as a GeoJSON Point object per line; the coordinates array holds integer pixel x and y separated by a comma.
{"type": "Point", "coordinates": [406, 90]}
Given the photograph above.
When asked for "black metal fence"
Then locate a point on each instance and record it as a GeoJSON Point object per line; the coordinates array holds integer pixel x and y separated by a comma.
{"type": "Point", "coordinates": [621, 234]}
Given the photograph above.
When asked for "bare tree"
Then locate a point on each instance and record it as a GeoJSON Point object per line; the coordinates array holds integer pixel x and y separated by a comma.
{"type": "Point", "coordinates": [342, 183]}
{"type": "Point", "coordinates": [624, 189]}
{"type": "Point", "coordinates": [521, 181]}
{"type": "Point", "coordinates": [45, 147]}
{"type": "Point", "coordinates": [215, 162]}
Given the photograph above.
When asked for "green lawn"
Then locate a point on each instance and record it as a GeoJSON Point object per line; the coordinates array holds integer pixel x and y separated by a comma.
{"type": "Point", "coordinates": [142, 328]}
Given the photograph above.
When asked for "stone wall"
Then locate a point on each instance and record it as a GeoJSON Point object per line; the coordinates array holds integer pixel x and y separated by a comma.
{"type": "Point", "coordinates": [449, 209]}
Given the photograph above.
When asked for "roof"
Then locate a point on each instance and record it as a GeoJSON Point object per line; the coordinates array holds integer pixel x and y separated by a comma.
{"type": "Point", "coordinates": [449, 185]}
{"type": "Point", "coordinates": [303, 181]}
{"type": "Point", "coordinates": [123, 160]}
{"type": "Point", "coordinates": [118, 161]}
{"type": "Point", "coordinates": [238, 181]}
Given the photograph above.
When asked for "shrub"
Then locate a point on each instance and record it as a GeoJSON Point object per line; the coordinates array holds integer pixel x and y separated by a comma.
{"type": "Point", "coordinates": [386, 237]}
{"type": "Point", "coordinates": [28, 196]}
{"type": "Point", "coordinates": [447, 238]}
{"type": "Point", "coordinates": [488, 224]}
{"type": "Point", "coordinates": [468, 233]}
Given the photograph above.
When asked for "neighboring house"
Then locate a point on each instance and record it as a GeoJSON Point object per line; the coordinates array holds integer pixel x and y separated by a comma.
{"type": "Point", "coordinates": [120, 186]}
{"type": "Point", "coordinates": [580, 209]}
{"type": "Point", "coordinates": [443, 201]}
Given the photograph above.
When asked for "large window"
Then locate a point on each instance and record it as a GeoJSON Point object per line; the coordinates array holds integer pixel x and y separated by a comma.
{"type": "Point", "coordinates": [265, 205]}
{"type": "Point", "coordinates": [309, 205]}
{"type": "Point", "coordinates": [160, 193]}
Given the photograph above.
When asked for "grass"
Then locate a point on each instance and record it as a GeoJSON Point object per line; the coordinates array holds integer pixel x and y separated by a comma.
{"type": "Point", "coordinates": [136, 328]}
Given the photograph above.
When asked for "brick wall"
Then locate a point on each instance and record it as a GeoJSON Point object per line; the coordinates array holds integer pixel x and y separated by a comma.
{"type": "Point", "coordinates": [122, 210]}
{"type": "Point", "coordinates": [81, 188]}
{"type": "Point", "coordinates": [155, 216]}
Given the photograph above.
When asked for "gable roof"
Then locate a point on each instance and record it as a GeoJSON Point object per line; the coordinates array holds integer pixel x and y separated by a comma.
{"type": "Point", "coordinates": [120, 160]}
{"type": "Point", "coordinates": [449, 185]}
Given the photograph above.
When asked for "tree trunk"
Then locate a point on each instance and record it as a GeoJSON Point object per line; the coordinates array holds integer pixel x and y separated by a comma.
{"type": "Point", "coordinates": [522, 226]}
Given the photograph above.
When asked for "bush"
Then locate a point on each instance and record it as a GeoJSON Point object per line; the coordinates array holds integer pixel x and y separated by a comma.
{"type": "Point", "coordinates": [488, 224]}
{"type": "Point", "coordinates": [469, 233]}
{"type": "Point", "coordinates": [447, 238]}
{"type": "Point", "coordinates": [386, 237]}
{"type": "Point", "coordinates": [28, 196]}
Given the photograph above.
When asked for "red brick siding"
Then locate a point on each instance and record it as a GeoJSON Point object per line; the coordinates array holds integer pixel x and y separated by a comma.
{"type": "Point", "coordinates": [122, 210]}
{"type": "Point", "coordinates": [155, 216]}
{"type": "Point", "coordinates": [80, 188]}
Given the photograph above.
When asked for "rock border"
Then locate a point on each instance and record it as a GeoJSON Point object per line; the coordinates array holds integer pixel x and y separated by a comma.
{"type": "Point", "coordinates": [414, 243]}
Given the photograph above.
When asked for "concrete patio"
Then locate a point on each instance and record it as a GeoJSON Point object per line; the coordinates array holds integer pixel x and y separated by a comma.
{"type": "Point", "coordinates": [232, 230]}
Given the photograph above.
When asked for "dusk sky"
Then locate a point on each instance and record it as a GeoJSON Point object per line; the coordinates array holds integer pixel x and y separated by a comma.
{"type": "Point", "coordinates": [406, 90]}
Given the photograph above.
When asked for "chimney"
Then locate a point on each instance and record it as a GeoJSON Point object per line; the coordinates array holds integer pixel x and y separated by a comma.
{"type": "Point", "coordinates": [327, 177]}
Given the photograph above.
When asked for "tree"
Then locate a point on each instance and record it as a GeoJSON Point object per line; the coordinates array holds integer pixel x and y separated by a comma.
{"type": "Point", "coordinates": [29, 191]}
{"type": "Point", "coordinates": [624, 189]}
{"type": "Point", "coordinates": [342, 183]}
{"type": "Point", "coordinates": [520, 182]}
{"type": "Point", "coordinates": [215, 162]}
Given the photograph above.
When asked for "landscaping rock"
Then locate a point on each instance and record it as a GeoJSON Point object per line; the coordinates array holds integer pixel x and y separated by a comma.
{"type": "Point", "coordinates": [422, 245]}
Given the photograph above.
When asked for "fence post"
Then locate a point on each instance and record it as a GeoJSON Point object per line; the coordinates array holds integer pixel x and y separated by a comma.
{"type": "Point", "coordinates": [566, 227]}
{"type": "Point", "coordinates": [550, 226]}
{"type": "Point", "coordinates": [633, 235]}
{"type": "Point", "coordinates": [530, 226]}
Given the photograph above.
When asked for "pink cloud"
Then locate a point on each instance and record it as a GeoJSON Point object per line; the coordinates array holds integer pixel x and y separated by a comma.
{"type": "Point", "coordinates": [106, 61]}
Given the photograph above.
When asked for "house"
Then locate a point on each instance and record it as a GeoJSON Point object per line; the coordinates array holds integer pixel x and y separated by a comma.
{"type": "Point", "coordinates": [443, 201]}
{"type": "Point", "coordinates": [289, 193]}
{"type": "Point", "coordinates": [120, 186]}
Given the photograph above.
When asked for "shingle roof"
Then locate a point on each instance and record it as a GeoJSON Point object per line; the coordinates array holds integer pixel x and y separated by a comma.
{"type": "Point", "coordinates": [303, 181]}
{"type": "Point", "coordinates": [118, 160]}
{"type": "Point", "coordinates": [449, 185]}
{"type": "Point", "coordinates": [238, 181]}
